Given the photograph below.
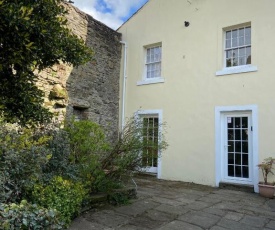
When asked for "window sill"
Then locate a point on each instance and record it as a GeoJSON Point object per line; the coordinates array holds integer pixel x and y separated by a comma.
{"type": "Point", "coordinates": [151, 81]}
{"type": "Point", "coordinates": [237, 69]}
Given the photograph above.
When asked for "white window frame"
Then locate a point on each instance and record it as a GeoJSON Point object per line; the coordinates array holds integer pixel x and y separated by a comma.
{"type": "Point", "coordinates": [232, 48]}
{"type": "Point", "coordinates": [153, 80]}
{"type": "Point", "coordinates": [240, 68]}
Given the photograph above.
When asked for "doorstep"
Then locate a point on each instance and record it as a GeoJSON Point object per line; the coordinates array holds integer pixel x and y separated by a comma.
{"type": "Point", "coordinates": [237, 187]}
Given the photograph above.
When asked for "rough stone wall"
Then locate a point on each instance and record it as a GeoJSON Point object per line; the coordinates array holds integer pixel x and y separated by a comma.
{"type": "Point", "coordinates": [90, 91]}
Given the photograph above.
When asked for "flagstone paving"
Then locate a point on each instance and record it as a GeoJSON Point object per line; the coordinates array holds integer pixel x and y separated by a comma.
{"type": "Point", "coordinates": [169, 205]}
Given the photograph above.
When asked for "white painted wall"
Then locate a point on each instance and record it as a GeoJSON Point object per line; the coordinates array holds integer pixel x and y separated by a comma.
{"type": "Point", "coordinates": [191, 89]}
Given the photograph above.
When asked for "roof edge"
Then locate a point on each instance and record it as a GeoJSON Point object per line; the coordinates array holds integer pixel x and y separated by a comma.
{"type": "Point", "coordinates": [133, 15]}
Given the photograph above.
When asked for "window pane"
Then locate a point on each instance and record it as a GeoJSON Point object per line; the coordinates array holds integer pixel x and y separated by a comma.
{"type": "Point", "coordinates": [228, 62]}
{"type": "Point", "coordinates": [241, 32]}
{"type": "Point", "coordinates": [248, 55]}
{"type": "Point", "coordinates": [242, 52]}
{"type": "Point", "coordinates": [248, 35]}
{"type": "Point", "coordinates": [234, 42]}
{"type": "Point", "coordinates": [228, 54]}
{"type": "Point", "coordinates": [242, 60]}
{"type": "Point", "coordinates": [248, 60]}
{"type": "Point", "coordinates": [228, 34]}
{"type": "Point", "coordinates": [228, 43]}
{"type": "Point", "coordinates": [234, 33]}
{"type": "Point", "coordinates": [241, 41]}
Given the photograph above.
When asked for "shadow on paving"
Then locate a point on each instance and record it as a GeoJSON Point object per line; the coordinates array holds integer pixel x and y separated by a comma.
{"type": "Point", "coordinates": [170, 205]}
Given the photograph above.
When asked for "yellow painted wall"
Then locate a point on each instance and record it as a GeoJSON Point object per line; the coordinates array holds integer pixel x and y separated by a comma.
{"type": "Point", "coordinates": [190, 58]}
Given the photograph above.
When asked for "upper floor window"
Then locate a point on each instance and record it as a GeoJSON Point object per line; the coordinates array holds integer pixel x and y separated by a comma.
{"type": "Point", "coordinates": [153, 62]}
{"type": "Point", "coordinates": [238, 46]}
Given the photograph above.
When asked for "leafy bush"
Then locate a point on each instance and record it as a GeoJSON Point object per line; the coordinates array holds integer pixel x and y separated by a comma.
{"type": "Point", "coordinates": [22, 156]}
{"type": "Point", "coordinates": [59, 163]}
{"type": "Point", "coordinates": [63, 195]}
{"type": "Point", "coordinates": [86, 140]}
{"type": "Point", "coordinates": [28, 216]}
{"type": "Point", "coordinates": [89, 147]}
{"type": "Point", "coordinates": [107, 166]}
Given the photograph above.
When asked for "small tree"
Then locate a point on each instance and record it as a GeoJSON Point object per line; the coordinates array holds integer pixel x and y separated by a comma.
{"type": "Point", "coordinates": [266, 166]}
{"type": "Point", "coordinates": [127, 155]}
{"type": "Point", "coordinates": [34, 36]}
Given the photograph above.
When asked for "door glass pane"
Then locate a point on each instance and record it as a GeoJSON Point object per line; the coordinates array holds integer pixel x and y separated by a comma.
{"type": "Point", "coordinates": [237, 134]}
{"type": "Point", "coordinates": [230, 146]}
{"type": "Point", "coordinates": [245, 159]}
{"type": "Point", "coordinates": [238, 159]}
{"type": "Point", "coordinates": [244, 122]}
{"type": "Point", "coordinates": [231, 158]}
{"type": "Point", "coordinates": [230, 122]}
{"type": "Point", "coordinates": [237, 122]}
{"type": "Point", "coordinates": [238, 171]}
{"type": "Point", "coordinates": [245, 172]}
{"type": "Point", "coordinates": [238, 147]}
{"type": "Point", "coordinates": [231, 170]}
{"type": "Point", "coordinates": [245, 147]}
{"type": "Point", "coordinates": [244, 134]}
{"type": "Point", "coordinates": [230, 134]}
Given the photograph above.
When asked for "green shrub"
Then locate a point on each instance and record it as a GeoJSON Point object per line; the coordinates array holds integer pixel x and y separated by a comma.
{"type": "Point", "coordinates": [86, 139]}
{"type": "Point", "coordinates": [19, 170]}
{"type": "Point", "coordinates": [28, 216]}
{"type": "Point", "coordinates": [63, 195]}
{"type": "Point", "coordinates": [59, 163]}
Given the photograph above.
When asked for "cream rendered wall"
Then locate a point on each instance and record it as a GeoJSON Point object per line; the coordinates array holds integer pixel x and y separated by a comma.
{"type": "Point", "coordinates": [190, 58]}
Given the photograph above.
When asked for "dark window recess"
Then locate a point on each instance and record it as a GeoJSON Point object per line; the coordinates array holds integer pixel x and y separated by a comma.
{"type": "Point", "coordinates": [80, 114]}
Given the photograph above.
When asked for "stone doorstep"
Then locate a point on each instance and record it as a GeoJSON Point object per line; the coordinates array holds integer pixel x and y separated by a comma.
{"type": "Point", "coordinates": [237, 187]}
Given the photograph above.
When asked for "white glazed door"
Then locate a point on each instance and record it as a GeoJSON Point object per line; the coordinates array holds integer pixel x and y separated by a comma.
{"type": "Point", "coordinates": [151, 136]}
{"type": "Point", "coordinates": [238, 148]}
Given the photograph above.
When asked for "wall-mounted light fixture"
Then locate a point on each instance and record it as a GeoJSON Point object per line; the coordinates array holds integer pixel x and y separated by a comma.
{"type": "Point", "coordinates": [186, 23]}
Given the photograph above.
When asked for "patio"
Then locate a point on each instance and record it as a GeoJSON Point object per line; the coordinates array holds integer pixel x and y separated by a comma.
{"type": "Point", "coordinates": [170, 205]}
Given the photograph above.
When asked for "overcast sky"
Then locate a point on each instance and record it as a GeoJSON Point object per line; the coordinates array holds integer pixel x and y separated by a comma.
{"type": "Point", "coordinates": [111, 12]}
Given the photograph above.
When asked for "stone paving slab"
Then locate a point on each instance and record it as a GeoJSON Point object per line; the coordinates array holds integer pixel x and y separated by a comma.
{"type": "Point", "coordinates": [201, 219]}
{"type": "Point", "coordinates": [171, 205]}
{"type": "Point", "coordinates": [179, 225]}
